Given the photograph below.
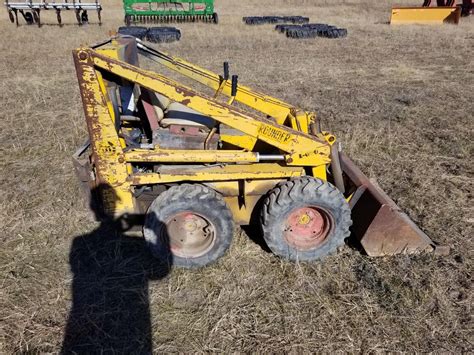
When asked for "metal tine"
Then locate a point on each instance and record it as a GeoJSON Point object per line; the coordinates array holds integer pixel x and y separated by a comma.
{"type": "Point", "coordinates": [58, 17]}
{"type": "Point", "coordinates": [78, 17]}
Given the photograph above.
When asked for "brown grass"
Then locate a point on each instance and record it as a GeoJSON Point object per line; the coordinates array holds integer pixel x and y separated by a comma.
{"type": "Point", "coordinates": [400, 99]}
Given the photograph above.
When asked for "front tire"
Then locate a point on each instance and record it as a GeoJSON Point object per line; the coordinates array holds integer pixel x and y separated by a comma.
{"type": "Point", "coordinates": [189, 226]}
{"type": "Point", "coordinates": [305, 219]}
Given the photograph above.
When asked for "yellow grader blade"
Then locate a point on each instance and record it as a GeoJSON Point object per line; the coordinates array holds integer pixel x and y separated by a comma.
{"type": "Point", "coordinates": [425, 15]}
{"type": "Point", "coordinates": [378, 223]}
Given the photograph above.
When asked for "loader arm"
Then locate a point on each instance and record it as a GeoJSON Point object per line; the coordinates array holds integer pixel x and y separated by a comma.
{"type": "Point", "coordinates": [266, 104]}
{"type": "Point", "coordinates": [301, 148]}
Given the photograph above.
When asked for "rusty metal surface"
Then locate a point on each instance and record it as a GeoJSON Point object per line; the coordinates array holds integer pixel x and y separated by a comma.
{"type": "Point", "coordinates": [311, 150]}
{"type": "Point", "coordinates": [150, 113]}
{"type": "Point", "coordinates": [106, 149]}
{"type": "Point", "coordinates": [83, 169]}
{"type": "Point", "coordinates": [306, 228]}
{"type": "Point", "coordinates": [190, 234]}
{"type": "Point", "coordinates": [184, 137]}
{"type": "Point", "coordinates": [378, 223]}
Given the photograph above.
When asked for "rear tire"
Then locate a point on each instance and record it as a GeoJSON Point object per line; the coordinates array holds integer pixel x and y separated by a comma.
{"type": "Point", "coordinates": [189, 226]}
{"type": "Point", "coordinates": [305, 219]}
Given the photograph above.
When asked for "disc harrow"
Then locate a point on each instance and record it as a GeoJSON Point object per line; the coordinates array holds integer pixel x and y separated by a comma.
{"type": "Point", "coordinates": [311, 30]}
{"type": "Point", "coordinates": [30, 11]}
{"type": "Point", "coordinates": [261, 20]}
{"type": "Point", "coordinates": [166, 11]}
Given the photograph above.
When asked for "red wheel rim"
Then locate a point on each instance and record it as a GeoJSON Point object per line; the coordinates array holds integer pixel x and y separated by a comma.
{"type": "Point", "coordinates": [190, 235]}
{"type": "Point", "coordinates": [307, 228]}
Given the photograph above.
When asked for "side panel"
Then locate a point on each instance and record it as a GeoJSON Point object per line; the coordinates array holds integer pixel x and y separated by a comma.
{"type": "Point", "coordinates": [425, 15]}
{"type": "Point", "coordinates": [108, 166]}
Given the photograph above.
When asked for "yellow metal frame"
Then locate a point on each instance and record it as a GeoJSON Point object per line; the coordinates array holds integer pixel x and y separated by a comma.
{"type": "Point", "coordinates": [270, 106]}
{"type": "Point", "coordinates": [425, 15]}
{"type": "Point", "coordinates": [287, 129]}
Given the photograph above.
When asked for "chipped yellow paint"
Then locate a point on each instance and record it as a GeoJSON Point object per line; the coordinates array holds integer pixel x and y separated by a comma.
{"type": "Point", "coordinates": [105, 143]}
{"type": "Point", "coordinates": [190, 156]}
{"type": "Point", "coordinates": [218, 173]}
{"type": "Point", "coordinates": [241, 141]}
{"type": "Point", "coordinates": [287, 131]}
{"type": "Point", "coordinates": [312, 151]}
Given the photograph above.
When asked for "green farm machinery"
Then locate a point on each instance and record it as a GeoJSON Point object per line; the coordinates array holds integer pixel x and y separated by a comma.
{"type": "Point", "coordinates": [152, 11]}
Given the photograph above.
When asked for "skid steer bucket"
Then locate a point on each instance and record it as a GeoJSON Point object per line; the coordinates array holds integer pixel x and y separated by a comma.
{"type": "Point", "coordinates": [425, 15]}
{"type": "Point", "coordinates": [378, 223]}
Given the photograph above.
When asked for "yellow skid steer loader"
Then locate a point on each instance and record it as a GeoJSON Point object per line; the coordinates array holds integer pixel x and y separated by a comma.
{"type": "Point", "coordinates": [195, 165]}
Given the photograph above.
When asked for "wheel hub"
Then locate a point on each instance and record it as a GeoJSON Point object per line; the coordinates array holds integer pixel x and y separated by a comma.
{"type": "Point", "coordinates": [307, 228]}
{"type": "Point", "coordinates": [190, 235]}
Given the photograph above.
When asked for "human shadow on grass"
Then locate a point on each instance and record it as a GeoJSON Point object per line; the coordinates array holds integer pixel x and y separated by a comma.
{"type": "Point", "coordinates": [110, 310]}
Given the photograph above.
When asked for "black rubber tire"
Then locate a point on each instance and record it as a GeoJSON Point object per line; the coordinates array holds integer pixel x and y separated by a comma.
{"type": "Point", "coordinates": [342, 32]}
{"type": "Point", "coordinates": [164, 29]}
{"type": "Point", "coordinates": [301, 19]}
{"type": "Point", "coordinates": [194, 198]}
{"type": "Point", "coordinates": [335, 33]}
{"type": "Point", "coordinates": [163, 34]}
{"type": "Point", "coordinates": [135, 31]}
{"type": "Point", "coordinates": [254, 20]}
{"type": "Point", "coordinates": [297, 193]}
{"type": "Point", "coordinates": [316, 26]}
{"type": "Point", "coordinates": [215, 18]}
{"type": "Point", "coordinates": [285, 28]}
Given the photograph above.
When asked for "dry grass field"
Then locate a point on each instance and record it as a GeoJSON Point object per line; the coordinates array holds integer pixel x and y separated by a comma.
{"type": "Point", "coordinates": [399, 98]}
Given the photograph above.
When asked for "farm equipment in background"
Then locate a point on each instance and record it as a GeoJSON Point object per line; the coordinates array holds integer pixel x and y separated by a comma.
{"type": "Point", "coordinates": [467, 6]}
{"type": "Point", "coordinates": [31, 10]}
{"type": "Point", "coordinates": [262, 20]}
{"type": "Point", "coordinates": [444, 11]}
{"type": "Point", "coordinates": [156, 11]}
{"type": "Point", "coordinates": [152, 34]}
{"type": "Point", "coordinates": [187, 166]}
{"type": "Point", "coordinates": [311, 30]}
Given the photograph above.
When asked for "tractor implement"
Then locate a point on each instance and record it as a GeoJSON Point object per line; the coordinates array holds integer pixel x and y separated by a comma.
{"type": "Point", "coordinates": [166, 11]}
{"type": "Point", "coordinates": [445, 11]}
{"type": "Point", "coordinates": [194, 165]}
{"type": "Point", "coordinates": [261, 20]}
{"type": "Point", "coordinates": [31, 10]}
